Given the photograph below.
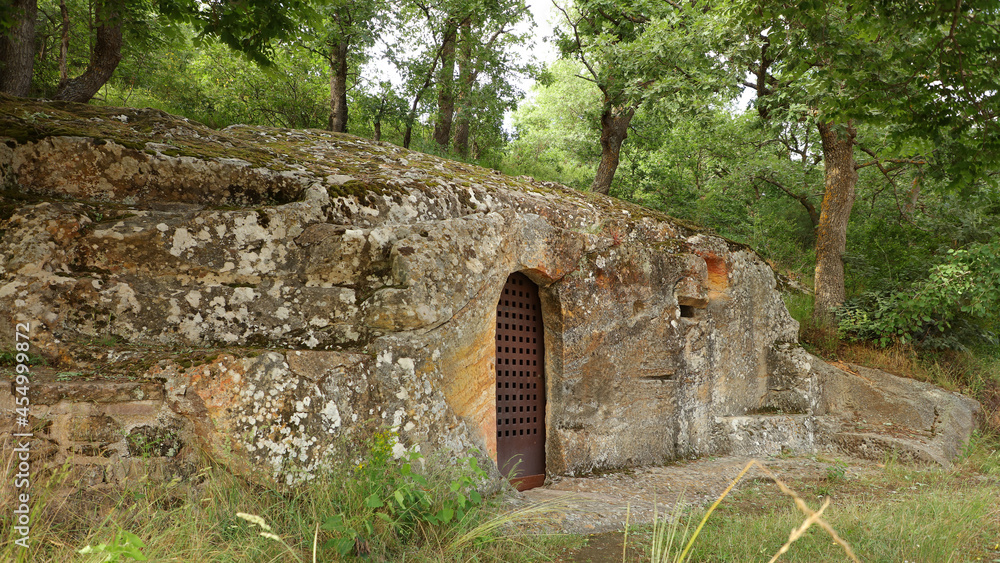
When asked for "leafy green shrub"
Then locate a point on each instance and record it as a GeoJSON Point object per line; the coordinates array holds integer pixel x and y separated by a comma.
{"type": "Point", "coordinates": [366, 503]}
{"type": "Point", "coordinates": [957, 303]}
{"type": "Point", "coordinates": [123, 545]}
{"type": "Point", "coordinates": [390, 506]}
{"type": "Point", "coordinates": [397, 501]}
{"type": "Point", "coordinates": [836, 472]}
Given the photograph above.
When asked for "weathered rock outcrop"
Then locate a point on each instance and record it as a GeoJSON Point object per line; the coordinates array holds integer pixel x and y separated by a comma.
{"type": "Point", "coordinates": [369, 276]}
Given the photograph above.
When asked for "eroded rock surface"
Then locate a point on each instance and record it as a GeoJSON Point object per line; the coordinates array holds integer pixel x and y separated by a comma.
{"type": "Point", "coordinates": [368, 276]}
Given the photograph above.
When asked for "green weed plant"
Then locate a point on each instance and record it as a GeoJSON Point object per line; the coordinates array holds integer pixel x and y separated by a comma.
{"type": "Point", "coordinates": [374, 506]}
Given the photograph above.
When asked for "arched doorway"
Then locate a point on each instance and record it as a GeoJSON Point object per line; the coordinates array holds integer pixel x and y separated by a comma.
{"type": "Point", "coordinates": [520, 383]}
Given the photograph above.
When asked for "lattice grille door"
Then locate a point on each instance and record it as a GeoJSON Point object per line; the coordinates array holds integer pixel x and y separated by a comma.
{"type": "Point", "coordinates": [520, 382]}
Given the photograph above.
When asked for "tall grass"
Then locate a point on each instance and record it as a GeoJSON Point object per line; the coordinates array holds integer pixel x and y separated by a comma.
{"type": "Point", "coordinates": [670, 544]}
{"type": "Point", "coordinates": [935, 522]}
{"type": "Point", "coordinates": [900, 513]}
{"type": "Point", "coordinates": [379, 508]}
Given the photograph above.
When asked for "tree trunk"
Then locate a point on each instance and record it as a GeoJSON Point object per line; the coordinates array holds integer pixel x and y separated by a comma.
{"type": "Point", "coordinates": [465, 80]}
{"type": "Point", "coordinates": [412, 116]}
{"type": "Point", "coordinates": [104, 58]}
{"type": "Point", "coordinates": [64, 44]}
{"type": "Point", "coordinates": [338, 87]}
{"type": "Point", "coordinates": [911, 202]}
{"type": "Point", "coordinates": [841, 177]}
{"type": "Point", "coordinates": [377, 118]}
{"type": "Point", "coordinates": [446, 92]}
{"type": "Point", "coordinates": [462, 133]}
{"type": "Point", "coordinates": [801, 198]}
{"type": "Point", "coordinates": [614, 130]}
{"type": "Point", "coordinates": [17, 49]}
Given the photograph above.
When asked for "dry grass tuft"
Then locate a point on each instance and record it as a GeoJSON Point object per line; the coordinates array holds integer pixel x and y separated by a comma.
{"type": "Point", "coordinates": [664, 536]}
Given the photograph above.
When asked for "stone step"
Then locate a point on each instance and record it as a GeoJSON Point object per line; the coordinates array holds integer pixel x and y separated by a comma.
{"type": "Point", "coordinates": [881, 447]}
{"type": "Point", "coordinates": [764, 435]}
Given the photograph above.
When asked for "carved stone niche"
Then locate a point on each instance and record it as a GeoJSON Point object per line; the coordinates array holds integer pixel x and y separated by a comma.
{"type": "Point", "coordinates": [690, 290]}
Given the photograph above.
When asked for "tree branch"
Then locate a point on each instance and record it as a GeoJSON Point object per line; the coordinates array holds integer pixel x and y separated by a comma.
{"type": "Point", "coordinates": [633, 19]}
{"type": "Point", "coordinates": [579, 42]}
{"type": "Point", "coordinates": [885, 172]}
{"type": "Point", "coordinates": [810, 208]}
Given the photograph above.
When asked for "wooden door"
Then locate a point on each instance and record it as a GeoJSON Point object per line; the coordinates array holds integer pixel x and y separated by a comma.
{"type": "Point", "coordinates": [520, 383]}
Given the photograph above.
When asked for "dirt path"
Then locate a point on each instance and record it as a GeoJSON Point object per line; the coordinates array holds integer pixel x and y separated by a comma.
{"type": "Point", "coordinates": [598, 504]}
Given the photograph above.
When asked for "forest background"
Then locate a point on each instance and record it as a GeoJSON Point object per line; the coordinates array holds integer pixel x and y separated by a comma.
{"type": "Point", "coordinates": [865, 164]}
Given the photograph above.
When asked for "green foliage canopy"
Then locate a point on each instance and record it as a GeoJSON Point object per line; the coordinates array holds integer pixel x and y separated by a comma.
{"type": "Point", "coordinates": [925, 72]}
{"type": "Point", "coordinates": [251, 27]}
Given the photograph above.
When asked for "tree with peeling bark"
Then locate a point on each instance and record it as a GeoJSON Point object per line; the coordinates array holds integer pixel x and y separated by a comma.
{"type": "Point", "coordinates": [924, 73]}
{"type": "Point", "coordinates": [637, 53]}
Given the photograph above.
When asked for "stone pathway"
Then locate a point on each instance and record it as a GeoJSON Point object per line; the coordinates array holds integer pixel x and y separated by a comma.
{"type": "Point", "coordinates": [597, 504]}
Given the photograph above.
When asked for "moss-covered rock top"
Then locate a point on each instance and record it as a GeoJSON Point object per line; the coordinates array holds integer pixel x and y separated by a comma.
{"type": "Point", "coordinates": [25, 120]}
{"type": "Point", "coordinates": [145, 157]}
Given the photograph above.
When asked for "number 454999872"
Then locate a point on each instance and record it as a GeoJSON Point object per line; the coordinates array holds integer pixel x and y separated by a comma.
{"type": "Point", "coordinates": [21, 380]}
